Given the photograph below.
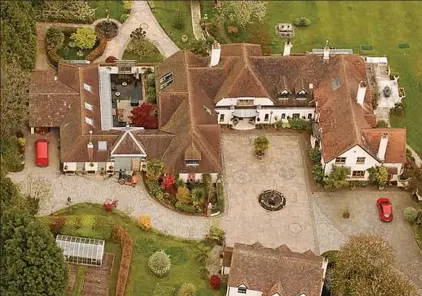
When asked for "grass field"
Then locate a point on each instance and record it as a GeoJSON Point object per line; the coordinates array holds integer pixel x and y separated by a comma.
{"type": "Point", "coordinates": [350, 24]}
{"type": "Point", "coordinates": [165, 12]}
{"type": "Point", "coordinates": [185, 267]}
{"type": "Point", "coordinates": [114, 8]}
{"type": "Point", "coordinates": [153, 54]}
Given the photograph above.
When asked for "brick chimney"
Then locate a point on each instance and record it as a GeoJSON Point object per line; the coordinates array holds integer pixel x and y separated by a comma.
{"type": "Point", "coordinates": [360, 97]}
{"type": "Point", "coordinates": [215, 54]}
{"type": "Point", "coordinates": [287, 48]}
{"type": "Point", "coordinates": [382, 149]}
{"type": "Point", "coordinates": [326, 52]}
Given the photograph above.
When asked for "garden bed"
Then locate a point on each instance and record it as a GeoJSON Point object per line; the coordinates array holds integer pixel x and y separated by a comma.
{"type": "Point", "coordinates": [152, 54]}
{"type": "Point", "coordinates": [184, 253]}
{"type": "Point", "coordinates": [71, 53]}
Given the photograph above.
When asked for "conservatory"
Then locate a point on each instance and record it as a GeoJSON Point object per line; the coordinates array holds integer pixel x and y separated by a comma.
{"type": "Point", "coordinates": [80, 250]}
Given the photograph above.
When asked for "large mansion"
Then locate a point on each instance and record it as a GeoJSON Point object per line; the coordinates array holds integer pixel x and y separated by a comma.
{"type": "Point", "coordinates": [238, 87]}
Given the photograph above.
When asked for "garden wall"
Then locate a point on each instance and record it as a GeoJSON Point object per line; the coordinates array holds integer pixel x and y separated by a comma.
{"type": "Point", "coordinates": [126, 242]}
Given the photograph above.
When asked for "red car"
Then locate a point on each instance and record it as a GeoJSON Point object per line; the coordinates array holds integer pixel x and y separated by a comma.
{"type": "Point", "coordinates": [385, 209]}
{"type": "Point", "coordinates": [41, 152]}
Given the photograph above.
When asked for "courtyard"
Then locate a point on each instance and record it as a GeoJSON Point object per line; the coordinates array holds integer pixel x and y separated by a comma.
{"type": "Point", "coordinates": [282, 169]}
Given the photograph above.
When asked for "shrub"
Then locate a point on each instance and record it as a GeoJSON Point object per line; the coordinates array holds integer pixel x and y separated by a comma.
{"type": "Point", "coordinates": [168, 182]}
{"type": "Point", "coordinates": [187, 289]}
{"type": "Point", "coordinates": [179, 22]}
{"type": "Point", "coordinates": [126, 242]}
{"type": "Point", "coordinates": [232, 30]}
{"type": "Point", "coordinates": [397, 110]}
{"type": "Point", "coordinates": [315, 155]}
{"type": "Point", "coordinates": [84, 37]}
{"type": "Point", "coordinates": [199, 47]}
{"type": "Point", "coordinates": [145, 222]}
{"type": "Point", "coordinates": [54, 58]}
{"type": "Point", "coordinates": [56, 224]}
{"type": "Point", "coordinates": [110, 59]}
{"type": "Point", "coordinates": [337, 177]}
{"type": "Point", "coordinates": [54, 38]}
{"type": "Point", "coordinates": [378, 175]}
{"type": "Point", "coordinates": [65, 11]}
{"type": "Point", "coordinates": [154, 188]}
{"type": "Point", "coordinates": [216, 235]}
{"type": "Point", "coordinates": [261, 145]}
{"type": "Point", "coordinates": [98, 51]}
{"type": "Point", "coordinates": [103, 227]}
{"type": "Point", "coordinates": [318, 173]}
{"type": "Point", "coordinates": [124, 17]}
{"type": "Point", "coordinates": [159, 263]}
{"type": "Point", "coordinates": [300, 124]}
{"type": "Point", "coordinates": [410, 214]}
{"type": "Point", "coordinates": [215, 282]}
{"type": "Point", "coordinates": [185, 208]}
{"type": "Point", "coordinates": [382, 123]}
{"type": "Point", "coordinates": [154, 169]}
{"type": "Point", "coordinates": [183, 195]}
{"type": "Point", "coordinates": [152, 95]}
{"type": "Point", "coordinates": [127, 4]}
{"type": "Point", "coordinates": [210, 40]}
{"type": "Point", "coordinates": [301, 22]}
{"type": "Point", "coordinates": [151, 80]}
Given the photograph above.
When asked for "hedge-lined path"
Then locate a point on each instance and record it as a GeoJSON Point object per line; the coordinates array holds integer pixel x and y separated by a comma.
{"type": "Point", "coordinates": [140, 14]}
{"type": "Point", "coordinates": [134, 201]}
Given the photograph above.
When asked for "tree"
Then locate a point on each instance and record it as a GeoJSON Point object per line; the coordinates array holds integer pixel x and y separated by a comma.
{"type": "Point", "coordinates": [187, 289]}
{"type": "Point", "coordinates": [243, 13]}
{"type": "Point", "coordinates": [84, 38]}
{"type": "Point", "coordinates": [415, 183]}
{"type": "Point", "coordinates": [337, 177]}
{"type": "Point", "coordinates": [378, 175]}
{"type": "Point", "coordinates": [168, 182]}
{"type": "Point", "coordinates": [207, 180]}
{"type": "Point", "coordinates": [364, 266]}
{"type": "Point", "coordinates": [14, 97]}
{"type": "Point", "coordinates": [54, 39]}
{"type": "Point", "coordinates": [315, 155]}
{"type": "Point", "coordinates": [183, 195]}
{"type": "Point", "coordinates": [215, 281]}
{"type": "Point", "coordinates": [159, 263]}
{"type": "Point", "coordinates": [138, 34]}
{"type": "Point", "coordinates": [31, 261]}
{"type": "Point", "coordinates": [199, 47]}
{"type": "Point", "coordinates": [144, 116]}
{"type": "Point", "coordinates": [410, 214]}
{"type": "Point", "coordinates": [154, 169]}
{"type": "Point", "coordinates": [261, 145]}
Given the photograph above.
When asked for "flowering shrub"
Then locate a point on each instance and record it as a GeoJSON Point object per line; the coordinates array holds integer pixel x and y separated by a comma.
{"type": "Point", "coordinates": [168, 182]}
{"type": "Point", "coordinates": [145, 222]}
{"type": "Point", "coordinates": [215, 281]}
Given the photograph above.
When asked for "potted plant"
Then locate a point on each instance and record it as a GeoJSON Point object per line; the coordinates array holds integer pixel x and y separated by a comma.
{"type": "Point", "coordinates": [261, 145]}
{"type": "Point", "coordinates": [185, 38]}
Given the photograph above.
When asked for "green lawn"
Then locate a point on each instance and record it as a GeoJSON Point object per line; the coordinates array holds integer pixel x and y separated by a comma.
{"type": "Point", "coordinates": [153, 55]}
{"type": "Point", "coordinates": [350, 24]}
{"type": "Point", "coordinates": [115, 9]}
{"type": "Point", "coordinates": [185, 267]}
{"type": "Point", "coordinates": [165, 13]}
{"type": "Point", "coordinates": [70, 53]}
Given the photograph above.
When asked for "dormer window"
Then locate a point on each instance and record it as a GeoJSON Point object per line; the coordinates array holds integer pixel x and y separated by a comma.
{"type": "Point", "coordinates": [284, 94]}
{"type": "Point", "coordinates": [89, 106]}
{"type": "Point", "coordinates": [301, 94]}
{"type": "Point", "coordinates": [90, 121]}
{"type": "Point", "coordinates": [192, 156]}
{"type": "Point", "coordinates": [87, 87]}
{"type": "Point", "coordinates": [241, 290]}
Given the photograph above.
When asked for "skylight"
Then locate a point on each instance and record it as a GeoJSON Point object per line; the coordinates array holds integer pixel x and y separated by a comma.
{"type": "Point", "coordinates": [102, 145]}
{"type": "Point", "coordinates": [335, 83]}
{"type": "Point", "coordinates": [166, 80]}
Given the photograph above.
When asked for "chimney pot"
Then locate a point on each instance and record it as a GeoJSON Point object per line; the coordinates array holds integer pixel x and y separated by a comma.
{"type": "Point", "coordinates": [382, 149]}
{"type": "Point", "coordinates": [287, 48]}
{"type": "Point", "coordinates": [215, 54]}
{"type": "Point", "coordinates": [360, 96]}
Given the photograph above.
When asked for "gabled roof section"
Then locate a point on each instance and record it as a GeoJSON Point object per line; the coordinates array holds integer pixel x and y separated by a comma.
{"type": "Point", "coordinates": [69, 75]}
{"type": "Point", "coordinates": [276, 290]}
{"type": "Point", "coordinates": [396, 146]}
{"type": "Point", "coordinates": [128, 144]}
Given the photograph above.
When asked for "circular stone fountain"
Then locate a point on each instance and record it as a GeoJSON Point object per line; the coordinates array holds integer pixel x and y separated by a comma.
{"type": "Point", "coordinates": [272, 200]}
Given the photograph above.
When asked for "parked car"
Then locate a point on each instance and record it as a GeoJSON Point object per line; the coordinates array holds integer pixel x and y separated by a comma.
{"type": "Point", "coordinates": [385, 209]}
{"type": "Point", "coordinates": [41, 152]}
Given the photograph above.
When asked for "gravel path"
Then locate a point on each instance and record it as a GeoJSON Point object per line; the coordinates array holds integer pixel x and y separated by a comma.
{"type": "Point", "coordinates": [133, 201]}
{"type": "Point", "coordinates": [140, 14]}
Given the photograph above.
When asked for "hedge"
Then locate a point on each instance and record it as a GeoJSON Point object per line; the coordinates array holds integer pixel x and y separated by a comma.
{"type": "Point", "coordinates": [126, 242]}
{"type": "Point", "coordinates": [97, 52]}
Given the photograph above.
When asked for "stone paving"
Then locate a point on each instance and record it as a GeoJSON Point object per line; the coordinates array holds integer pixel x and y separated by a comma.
{"type": "Point", "coordinates": [195, 9]}
{"type": "Point", "coordinates": [281, 169]}
{"type": "Point", "coordinates": [140, 14]}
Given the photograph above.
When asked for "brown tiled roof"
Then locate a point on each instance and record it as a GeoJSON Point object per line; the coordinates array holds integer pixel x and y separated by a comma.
{"type": "Point", "coordinates": [396, 146]}
{"type": "Point", "coordinates": [49, 110]}
{"type": "Point", "coordinates": [44, 82]}
{"type": "Point", "coordinates": [276, 270]}
{"type": "Point", "coordinates": [69, 75]}
{"type": "Point", "coordinates": [127, 143]}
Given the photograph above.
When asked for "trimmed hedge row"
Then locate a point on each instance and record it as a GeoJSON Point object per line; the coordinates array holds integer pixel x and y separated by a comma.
{"type": "Point", "coordinates": [126, 242]}
{"type": "Point", "coordinates": [98, 51]}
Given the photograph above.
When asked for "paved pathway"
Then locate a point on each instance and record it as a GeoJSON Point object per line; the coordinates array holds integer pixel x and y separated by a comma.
{"type": "Point", "coordinates": [140, 14]}
{"type": "Point", "coordinates": [195, 10]}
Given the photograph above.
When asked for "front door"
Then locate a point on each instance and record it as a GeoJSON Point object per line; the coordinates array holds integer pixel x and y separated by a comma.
{"type": "Point", "coordinates": [122, 163]}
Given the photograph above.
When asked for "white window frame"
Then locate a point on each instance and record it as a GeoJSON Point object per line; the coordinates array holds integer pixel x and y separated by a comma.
{"type": "Point", "coordinates": [89, 121]}
{"type": "Point", "coordinates": [360, 158]}
{"type": "Point", "coordinates": [358, 177]}
{"type": "Point", "coordinates": [88, 87]}
{"type": "Point", "coordinates": [222, 117]}
{"type": "Point", "coordinates": [339, 160]}
{"type": "Point", "coordinates": [89, 106]}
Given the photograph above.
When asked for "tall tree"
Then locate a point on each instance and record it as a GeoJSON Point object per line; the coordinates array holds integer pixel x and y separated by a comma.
{"type": "Point", "coordinates": [84, 38]}
{"type": "Point", "coordinates": [144, 116]}
{"type": "Point", "coordinates": [364, 267]}
{"type": "Point", "coordinates": [31, 262]}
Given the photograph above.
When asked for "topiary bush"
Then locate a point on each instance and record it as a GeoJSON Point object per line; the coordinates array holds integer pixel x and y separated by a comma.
{"type": "Point", "coordinates": [410, 214]}
{"type": "Point", "coordinates": [159, 263]}
{"type": "Point", "coordinates": [301, 22]}
{"type": "Point", "coordinates": [187, 289]}
{"type": "Point", "coordinates": [315, 155]}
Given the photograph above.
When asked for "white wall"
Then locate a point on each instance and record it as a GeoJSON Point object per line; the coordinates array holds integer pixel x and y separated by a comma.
{"type": "Point", "coordinates": [351, 157]}
{"type": "Point", "coordinates": [232, 291]}
{"type": "Point", "coordinates": [227, 102]}
{"type": "Point", "coordinates": [198, 177]}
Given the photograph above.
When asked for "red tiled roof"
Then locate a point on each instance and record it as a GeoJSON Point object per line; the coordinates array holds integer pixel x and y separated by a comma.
{"type": "Point", "coordinates": [396, 146]}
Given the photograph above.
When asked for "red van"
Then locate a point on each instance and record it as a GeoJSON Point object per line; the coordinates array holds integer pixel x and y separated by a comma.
{"type": "Point", "coordinates": [41, 152]}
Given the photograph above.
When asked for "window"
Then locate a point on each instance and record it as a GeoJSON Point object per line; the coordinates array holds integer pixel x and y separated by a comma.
{"type": "Point", "coordinates": [296, 115]}
{"type": "Point", "coordinates": [87, 87]}
{"type": "Point", "coordinates": [309, 115]}
{"type": "Point", "coordinates": [303, 117]}
{"type": "Point", "coordinates": [244, 102]}
{"type": "Point", "coordinates": [241, 290]}
{"type": "Point", "coordinates": [360, 160]}
{"type": "Point", "coordinates": [89, 107]}
{"type": "Point", "coordinates": [102, 145]}
{"type": "Point", "coordinates": [166, 80]}
{"type": "Point", "coordinates": [340, 160]}
{"type": "Point", "coordinates": [89, 121]}
{"type": "Point", "coordinates": [283, 116]}
{"type": "Point", "coordinates": [192, 162]}
{"type": "Point", "coordinates": [358, 174]}
{"type": "Point", "coordinates": [221, 117]}
{"type": "Point", "coordinates": [267, 117]}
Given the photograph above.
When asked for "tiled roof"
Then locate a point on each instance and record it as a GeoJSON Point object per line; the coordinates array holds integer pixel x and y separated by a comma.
{"type": "Point", "coordinates": [396, 146]}
{"type": "Point", "coordinates": [276, 270]}
{"type": "Point", "coordinates": [49, 110]}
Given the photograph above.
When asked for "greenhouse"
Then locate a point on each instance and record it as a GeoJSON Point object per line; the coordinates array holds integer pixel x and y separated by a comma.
{"type": "Point", "coordinates": [80, 250]}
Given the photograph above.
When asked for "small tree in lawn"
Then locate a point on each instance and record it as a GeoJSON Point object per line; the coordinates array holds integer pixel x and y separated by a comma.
{"type": "Point", "coordinates": [168, 182]}
{"type": "Point", "coordinates": [183, 195]}
{"type": "Point", "coordinates": [154, 169]}
{"type": "Point", "coordinates": [84, 38]}
{"type": "Point", "coordinates": [144, 116]}
{"type": "Point", "coordinates": [365, 266]}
